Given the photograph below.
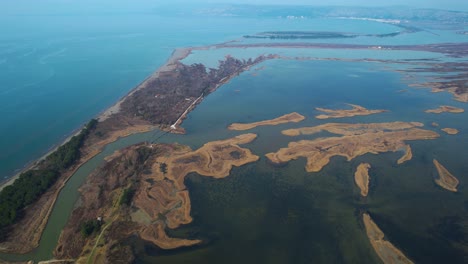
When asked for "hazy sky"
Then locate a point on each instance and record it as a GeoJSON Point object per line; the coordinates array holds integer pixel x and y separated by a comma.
{"type": "Point", "coordinates": [35, 6]}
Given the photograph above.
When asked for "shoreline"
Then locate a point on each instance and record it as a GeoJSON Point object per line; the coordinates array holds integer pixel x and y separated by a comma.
{"type": "Point", "coordinates": [177, 55]}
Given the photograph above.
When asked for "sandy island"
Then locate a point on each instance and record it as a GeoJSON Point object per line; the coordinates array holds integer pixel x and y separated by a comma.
{"type": "Point", "coordinates": [356, 140]}
{"type": "Point", "coordinates": [407, 156]}
{"type": "Point", "coordinates": [361, 178]}
{"type": "Point", "coordinates": [167, 195]}
{"type": "Point", "coordinates": [288, 118]}
{"type": "Point", "coordinates": [356, 110]}
{"type": "Point", "coordinates": [170, 197]}
{"type": "Point", "coordinates": [387, 252]}
{"type": "Point", "coordinates": [446, 109]}
{"type": "Point", "coordinates": [446, 180]}
{"type": "Point", "coordinates": [450, 131]}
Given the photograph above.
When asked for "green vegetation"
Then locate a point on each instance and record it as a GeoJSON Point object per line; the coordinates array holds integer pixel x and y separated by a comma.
{"type": "Point", "coordinates": [90, 227]}
{"type": "Point", "coordinates": [127, 196]}
{"type": "Point", "coordinates": [163, 168]}
{"type": "Point", "coordinates": [33, 183]}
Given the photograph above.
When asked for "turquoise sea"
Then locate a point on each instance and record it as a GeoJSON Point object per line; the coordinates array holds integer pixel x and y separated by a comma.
{"type": "Point", "coordinates": [55, 77]}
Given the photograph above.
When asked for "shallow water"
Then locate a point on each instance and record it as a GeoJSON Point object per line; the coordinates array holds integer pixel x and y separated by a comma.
{"type": "Point", "coordinates": [260, 213]}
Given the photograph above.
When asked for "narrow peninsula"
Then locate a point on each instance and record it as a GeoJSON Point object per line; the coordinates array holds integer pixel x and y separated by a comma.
{"type": "Point", "coordinates": [387, 252]}
{"type": "Point", "coordinates": [356, 110]}
{"type": "Point", "coordinates": [407, 156]}
{"type": "Point", "coordinates": [361, 178]}
{"type": "Point", "coordinates": [446, 179]}
{"type": "Point", "coordinates": [288, 118]}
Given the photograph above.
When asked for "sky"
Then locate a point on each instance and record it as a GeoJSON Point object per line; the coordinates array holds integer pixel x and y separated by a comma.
{"type": "Point", "coordinates": [48, 6]}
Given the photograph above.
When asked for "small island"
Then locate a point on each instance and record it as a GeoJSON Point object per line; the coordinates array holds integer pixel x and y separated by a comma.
{"type": "Point", "coordinates": [446, 109]}
{"type": "Point", "coordinates": [356, 140]}
{"type": "Point", "coordinates": [361, 178]}
{"type": "Point", "coordinates": [446, 180]}
{"type": "Point", "coordinates": [288, 118]}
{"type": "Point", "coordinates": [450, 131]}
{"type": "Point", "coordinates": [407, 156]}
{"type": "Point", "coordinates": [387, 252]}
{"type": "Point", "coordinates": [356, 110]}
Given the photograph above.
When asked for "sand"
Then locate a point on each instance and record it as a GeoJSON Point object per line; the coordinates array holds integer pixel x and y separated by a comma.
{"type": "Point", "coordinates": [288, 118]}
{"type": "Point", "coordinates": [446, 109]}
{"type": "Point", "coordinates": [361, 178]}
{"type": "Point", "coordinates": [357, 140]}
{"type": "Point", "coordinates": [407, 156]}
{"type": "Point", "coordinates": [163, 200]}
{"type": "Point", "coordinates": [355, 111]}
{"type": "Point", "coordinates": [446, 180]}
{"type": "Point", "coordinates": [450, 131]}
{"type": "Point", "coordinates": [387, 252]}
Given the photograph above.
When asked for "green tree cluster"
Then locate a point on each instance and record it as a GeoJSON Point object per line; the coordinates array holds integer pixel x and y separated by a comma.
{"type": "Point", "coordinates": [90, 227]}
{"type": "Point", "coordinates": [33, 183]}
{"type": "Point", "coordinates": [127, 196]}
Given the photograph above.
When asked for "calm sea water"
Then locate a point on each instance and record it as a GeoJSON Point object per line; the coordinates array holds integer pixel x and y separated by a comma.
{"type": "Point", "coordinates": [57, 72]}
{"type": "Point", "coordinates": [264, 214]}
{"type": "Point", "coordinates": [54, 80]}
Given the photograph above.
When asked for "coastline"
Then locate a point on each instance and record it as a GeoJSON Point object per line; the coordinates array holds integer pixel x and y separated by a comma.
{"type": "Point", "coordinates": [177, 55]}
{"type": "Point", "coordinates": [28, 232]}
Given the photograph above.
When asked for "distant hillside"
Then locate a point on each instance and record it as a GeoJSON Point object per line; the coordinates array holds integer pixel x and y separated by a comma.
{"type": "Point", "coordinates": [393, 13]}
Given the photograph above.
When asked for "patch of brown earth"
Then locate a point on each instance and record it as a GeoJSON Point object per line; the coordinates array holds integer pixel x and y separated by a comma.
{"type": "Point", "coordinates": [356, 110]}
{"type": "Point", "coordinates": [288, 118]}
{"type": "Point", "coordinates": [446, 179]}
{"type": "Point", "coordinates": [361, 178]}
{"type": "Point", "coordinates": [407, 156]}
{"type": "Point", "coordinates": [387, 252]}
{"type": "Point", "coordinates": [357, 140]}
{"type": "Point", "coordinates": [162, 195]}
{"type": "Point", "coordinates": [446, 109]}
{"type": "Point", "coordinates": [450, 131]}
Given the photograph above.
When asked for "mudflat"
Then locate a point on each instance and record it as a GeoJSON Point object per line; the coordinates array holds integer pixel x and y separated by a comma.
{"type": "Point", "coordinates": [288, 118]}
{"type": "Point", "coordinates": [361, 178]}
{"type": "Point", "coordinates": [446, 109]}
{"type": "Point", "coordinates": [446, 179]}
{"type": "Point", "coordinates": [387, 252]}
{"type": "Point", "coordinates": [356, 140]}
{"type": "Point", "coordinates": [356, 110]}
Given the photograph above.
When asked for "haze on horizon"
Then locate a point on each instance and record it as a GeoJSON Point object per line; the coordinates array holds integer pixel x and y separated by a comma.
{"type": "Point", "coordinates": [19, 7]}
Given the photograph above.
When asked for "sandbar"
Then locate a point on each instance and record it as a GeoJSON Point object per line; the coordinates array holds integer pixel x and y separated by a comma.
{"type": "Point", "coordinates": [387, 252]}
{"type": "Point", "coordinates": [450, 131]}
{"type": "Point", "coordinates": [361, 178]}
{"type": "Point", "coordinates": [288, 118]}
{"type": "Point", "coordinates": [407, 156]}
{"type": "Point", "coordinates": [446, 109]}
{"type": "Point", "coordinates": [446, 180]}
{"type": "Point", "coordinates": [357, 140]}
{"type": "Point", "coordinates": [163, 197]}
{"type": "Point", "coordinates": [356, 110]}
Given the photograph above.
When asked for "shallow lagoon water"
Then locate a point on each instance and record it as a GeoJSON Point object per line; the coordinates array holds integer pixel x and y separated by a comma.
{"type": "Point", "coordinates": [267, 214]}
{"type": "Point", "coordinates": [301, 217]}
{"type": "Point", "coordinates": [57, 72]}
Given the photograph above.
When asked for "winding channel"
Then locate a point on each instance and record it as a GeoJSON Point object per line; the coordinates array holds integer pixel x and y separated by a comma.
{"type": "Point", "coordinates": [67, 199]}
